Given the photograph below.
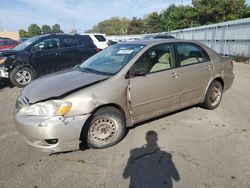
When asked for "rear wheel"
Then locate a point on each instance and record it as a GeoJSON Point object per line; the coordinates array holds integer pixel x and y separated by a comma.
{"type": "Point", "coordinates": [213, 96]}
{"type": "Point", "coordinates": [22, 76]}
{"type": "Point", "coordinates": [106, 128]}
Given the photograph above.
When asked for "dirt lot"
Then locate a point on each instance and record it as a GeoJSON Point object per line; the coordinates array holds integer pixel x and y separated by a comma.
{"type": "Point", "coordinates": [198, 148]}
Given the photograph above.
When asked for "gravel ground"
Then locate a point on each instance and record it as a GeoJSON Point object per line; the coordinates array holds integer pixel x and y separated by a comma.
{"type": "Point", "coordinates": [197, 149]}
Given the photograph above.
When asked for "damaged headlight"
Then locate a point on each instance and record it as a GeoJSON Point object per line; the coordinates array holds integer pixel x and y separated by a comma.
{"type": "Point", "coordinates": [48, 108]}
{"type": "Point", "coordinates": [2, 60]}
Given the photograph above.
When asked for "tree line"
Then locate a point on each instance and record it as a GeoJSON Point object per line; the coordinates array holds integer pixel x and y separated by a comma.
{"type": "Point", "coordinates": [200, 12]}
{"type": "Point", "coordinates": [34, 30]}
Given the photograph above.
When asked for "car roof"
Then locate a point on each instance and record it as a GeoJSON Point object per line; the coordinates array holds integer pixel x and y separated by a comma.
{"type": "Point", "coordinates": [157, 41]}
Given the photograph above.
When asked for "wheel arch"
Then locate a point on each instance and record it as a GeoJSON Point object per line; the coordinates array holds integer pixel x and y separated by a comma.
{"type": "Point", "coordinates": [84, 130]}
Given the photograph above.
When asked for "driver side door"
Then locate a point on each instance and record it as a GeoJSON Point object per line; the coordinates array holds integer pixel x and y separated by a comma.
{"type": "Point", "coordinates": [154, 87]}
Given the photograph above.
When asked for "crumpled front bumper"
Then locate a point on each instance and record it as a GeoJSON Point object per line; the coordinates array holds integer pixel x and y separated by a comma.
{"type": "Point", "coordinates": [51, 135]}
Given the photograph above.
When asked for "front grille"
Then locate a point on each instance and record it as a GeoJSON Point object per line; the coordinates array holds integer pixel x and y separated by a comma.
{"type": "Point", "coordinates": [21, 102]}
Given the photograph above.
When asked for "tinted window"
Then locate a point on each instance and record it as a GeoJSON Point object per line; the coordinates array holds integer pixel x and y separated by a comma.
{"type": "Point", "coordinates": [190, 54]}
{"type": "Point", "coordinates": [100, 38]}
{"type": "Point", "coordinates": [85, 40]}
{"type": "Point", "coordinates": [1, 43]}
{"type": "Point", "coordinates": [47, 44]}
{"type": "Point", "coordinates": [156, 59]}
{"type": "Point", "coordinates": [69, 41]}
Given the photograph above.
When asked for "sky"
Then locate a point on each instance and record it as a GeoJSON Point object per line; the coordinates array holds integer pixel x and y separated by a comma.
{"type": "Point", "coordinates": [19, 14]}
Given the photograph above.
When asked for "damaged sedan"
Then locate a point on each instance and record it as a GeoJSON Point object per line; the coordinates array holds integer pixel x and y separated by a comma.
{"type": "Point", "coordinates": [124, 84]}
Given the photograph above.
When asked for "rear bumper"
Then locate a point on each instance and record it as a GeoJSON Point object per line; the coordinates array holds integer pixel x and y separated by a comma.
{"type": "Point", "coordinates": [51, 135]}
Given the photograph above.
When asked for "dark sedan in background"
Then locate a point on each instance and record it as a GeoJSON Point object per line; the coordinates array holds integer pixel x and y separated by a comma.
{"type": "Point", "coordinates": [44, 54]}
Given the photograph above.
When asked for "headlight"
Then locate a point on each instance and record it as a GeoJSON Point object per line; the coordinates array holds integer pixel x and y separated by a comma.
{"type": "Point", "coordinates": [48, 109]}
{"type": "Point", "coordinates": [2, 60]}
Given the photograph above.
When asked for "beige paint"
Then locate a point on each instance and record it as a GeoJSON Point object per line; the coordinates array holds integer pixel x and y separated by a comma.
{"type": "Point", "coordinates": [10, 34]}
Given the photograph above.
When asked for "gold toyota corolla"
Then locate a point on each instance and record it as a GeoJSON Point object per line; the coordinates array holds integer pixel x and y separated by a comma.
{"type": "Point", "coordinates": [122, 85]}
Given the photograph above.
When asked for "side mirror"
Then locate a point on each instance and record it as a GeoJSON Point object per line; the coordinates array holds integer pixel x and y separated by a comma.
{"type": "Point", "coordinates": [137, 73]}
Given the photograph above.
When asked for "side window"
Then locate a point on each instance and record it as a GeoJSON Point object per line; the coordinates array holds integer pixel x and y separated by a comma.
{"type": "Point", "coordinates": [85, 40]}
{"type": "Point", "coordinates": [190, 54]}
{"type": "Point", "coordinates": [157, 58]}
{"type": "Point", "coordinates": [69, 42]}
{"type": "Point", "coordinates": [47, 44]}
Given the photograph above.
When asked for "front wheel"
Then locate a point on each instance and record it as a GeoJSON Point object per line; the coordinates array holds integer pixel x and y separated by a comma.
{"type": "Point", "coordinates": [21, 77]}
{"type": "Point", "coordinates": [213, 96]}
{"type": "Point", "coordinates": [106, 128]}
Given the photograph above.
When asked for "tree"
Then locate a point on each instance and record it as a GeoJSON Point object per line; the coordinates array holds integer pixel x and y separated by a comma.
{"type": "Point", "coordinates": [135, 26]}
{"type": "Point", "coordinates": [214, 11]}
{"type": "Point", "coordinates": [178, 17]}
{"type": "Point", "coordinates": [56, 29]}
{"type": "Point", "coordinates": [23, 34]}
{"type": "Point", "coordinates": [46, 29]}
{"type": "Point", "coordinates": [34, 30]}
{"type": "Point", "coordinates": [153, 23]}
{"type": "Point", "coordinates": [112, 26]}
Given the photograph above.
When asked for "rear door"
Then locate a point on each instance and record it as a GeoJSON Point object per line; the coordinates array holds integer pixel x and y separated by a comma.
{"type": "Point", "coordinates": [154, 84]}
{"type": "Point", "coordinates": [86, 48]}
{"type": "Point", "coordinates": [195, 72]}
{"type": "Point", "coordinates": [69, 52]}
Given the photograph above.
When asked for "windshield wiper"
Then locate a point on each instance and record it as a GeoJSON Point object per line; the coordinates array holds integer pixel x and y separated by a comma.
{"type": "Point", "coordinates": [91, 70]}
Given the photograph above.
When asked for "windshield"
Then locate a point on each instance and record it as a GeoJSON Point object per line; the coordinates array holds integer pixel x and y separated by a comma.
{"type": "Point", "coordinates": [110, 60]}
{"type": "Point", "coordinates": [26, 43]}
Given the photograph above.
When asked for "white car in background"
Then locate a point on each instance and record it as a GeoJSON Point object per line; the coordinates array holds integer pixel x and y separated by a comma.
{"type": "Point", "coordinates": [99, 39]}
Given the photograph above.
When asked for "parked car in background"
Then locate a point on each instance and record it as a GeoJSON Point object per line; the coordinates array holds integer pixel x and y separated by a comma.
{"type": "Point", "coordinates": [122, 85]}
{"type": "Point", "coordinates": [7, 43]}
{"type": "Point", "coordinates": [158, 36]}
{"type": "Point", "coordinates": [23, 39]}
{"type": "Point", "coordinates": [111, 42]}
{"type": "Point", "coordinates": [99, 39]}
{"type": "Point", "coordinates": [44, 54]}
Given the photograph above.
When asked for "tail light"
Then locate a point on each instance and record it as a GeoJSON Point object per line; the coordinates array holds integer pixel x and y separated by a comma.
{"type": "Point", "coordinates": [97, 49]}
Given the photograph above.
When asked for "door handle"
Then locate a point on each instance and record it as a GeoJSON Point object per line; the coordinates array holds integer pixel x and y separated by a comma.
{"type": "Point", "coordinates": [58, 53]}
{"type": "Point", "coordinates": [208, 67]}
{"type": "Point", "coordinates": [174, 75]}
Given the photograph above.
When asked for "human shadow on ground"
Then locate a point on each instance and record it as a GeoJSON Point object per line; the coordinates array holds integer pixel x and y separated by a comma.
{"type": "Point", "coordinates": [150, 167]}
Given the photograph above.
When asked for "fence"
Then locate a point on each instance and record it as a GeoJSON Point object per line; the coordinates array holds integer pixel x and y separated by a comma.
{"type": "Point", "coordinates": [228, 38]}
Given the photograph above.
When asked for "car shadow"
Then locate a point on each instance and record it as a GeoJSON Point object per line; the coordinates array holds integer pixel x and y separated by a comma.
{"type": "Point", "coordinates": [5, 84]}
{"type": "Point", "coordinates": [149, 166]}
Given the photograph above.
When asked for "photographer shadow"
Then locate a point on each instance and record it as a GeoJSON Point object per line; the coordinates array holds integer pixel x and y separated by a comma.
{"type": "Point", "coordinates": [149, 166]}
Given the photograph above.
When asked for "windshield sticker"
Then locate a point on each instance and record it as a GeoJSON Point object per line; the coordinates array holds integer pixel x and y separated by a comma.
{"type": "Point", "coordinates": [125, 51]}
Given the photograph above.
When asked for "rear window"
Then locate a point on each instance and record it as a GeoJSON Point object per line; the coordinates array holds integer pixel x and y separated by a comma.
{"type": "Point", "coordinates": [100, 38]}
{"type": "Point", "coordinates": [85, 40]}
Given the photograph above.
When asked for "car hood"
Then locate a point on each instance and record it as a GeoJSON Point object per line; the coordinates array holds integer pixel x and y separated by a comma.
{"type": "Point", "coordinates": [7, 52]}
{"type": "Point", "coordinates": [59, 85]}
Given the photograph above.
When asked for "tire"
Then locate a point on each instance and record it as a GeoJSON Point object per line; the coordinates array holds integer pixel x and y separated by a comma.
{"type": "Point", "coordinates": [106, 128]}
{"type": "Point", "coordinates": [213, 96]}
{"type": "Point", "coordinates": [21, 77]}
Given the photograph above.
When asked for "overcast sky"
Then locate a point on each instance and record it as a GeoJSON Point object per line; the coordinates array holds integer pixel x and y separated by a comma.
{"type": "Point", "coordinates": [16, 14]}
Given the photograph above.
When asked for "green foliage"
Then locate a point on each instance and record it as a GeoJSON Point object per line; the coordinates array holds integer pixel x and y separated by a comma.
{"type": "Point", "coordinates": [153, 23]}
{"type": "Point", "coordinates": [46, 29]}
{"type": "Point", "coordinates": [112, 26]}
{"type": "Point", "coordinates": [200, 12]}
{"type": "Point", "coordinates": [135, 26]}
{"type": "Point", "coordinates": [23, 34]}
{"type": "Point", "coordinates": [214, 11]}
{"type": "Point", "coordinates": [56, 29]}
{"type": "Point", "coordinates": [34, 30]}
